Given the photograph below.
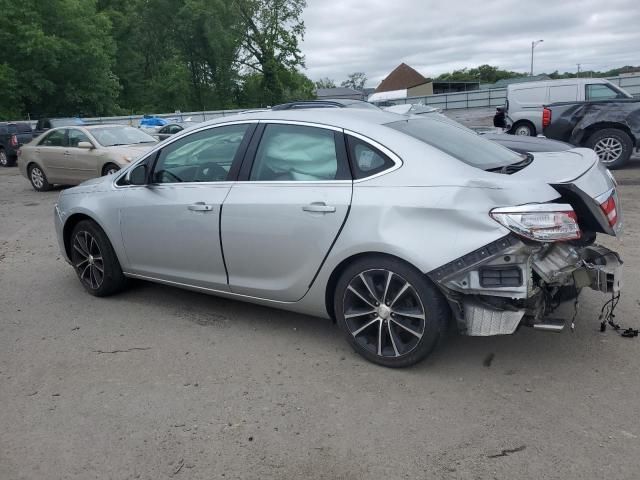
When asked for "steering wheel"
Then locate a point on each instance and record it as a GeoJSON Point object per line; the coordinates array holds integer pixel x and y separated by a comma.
{"type": "Point", "coordinates": [169, 174]}
{"type": "Point", "coordinates": [211, 172]}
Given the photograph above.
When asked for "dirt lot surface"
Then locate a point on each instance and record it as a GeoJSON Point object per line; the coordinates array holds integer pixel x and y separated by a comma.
{"type": "Point", "coordinates": [162, 383]}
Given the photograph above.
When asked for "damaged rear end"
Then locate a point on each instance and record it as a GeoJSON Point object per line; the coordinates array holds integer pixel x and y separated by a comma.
{"type": "Point", "coordinates": [534, 274]}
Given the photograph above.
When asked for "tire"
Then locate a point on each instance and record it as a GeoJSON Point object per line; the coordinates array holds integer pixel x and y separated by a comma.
{"type": "Point", "coordinates": [38, 179]}
{"type": "Point", "coordinates": [396, 318]}
{"type": "Point", "coordinates": [524, 129]}
{"type": "Point", "coordinates": [4, 158]}
{"type": "Point", "coordinates": [95, 261]}
{"type": "Point", "coordinates": [613, 147]}
{"type": "Point", "coordinates": [109, 169]}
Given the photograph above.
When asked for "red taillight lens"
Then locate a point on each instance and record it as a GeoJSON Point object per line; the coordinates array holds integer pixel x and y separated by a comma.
{"type": "Point", "coordinates": [14, 141]}
{"type": "Point", "coordinates": [546, 117]}
{"type": "Point", "coordinates": [610, 209]}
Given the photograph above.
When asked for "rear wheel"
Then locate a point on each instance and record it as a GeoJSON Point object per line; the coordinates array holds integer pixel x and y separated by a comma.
{"type": "Point", "coordinates": [109, 169]}
{"type": "Point", "coordinates": [95, 261]}
{"type": "Point", "coordinates": [38, 179]}
{"type": "Point", "coordinates": [390, 312]}
{"type": "Point", "coordinates": [613, 147]}
{"type": "Point", "coordinates": [524, 129]}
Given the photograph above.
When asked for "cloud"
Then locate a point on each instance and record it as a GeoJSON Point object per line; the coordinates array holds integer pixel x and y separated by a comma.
{"type": "Point", "coordinates": [434, 37]}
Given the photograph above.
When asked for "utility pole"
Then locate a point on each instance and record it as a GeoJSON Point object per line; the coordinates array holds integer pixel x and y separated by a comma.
{"type": "Point", "coordinates": [578, 74]}
{"type": "Point", "coordinates": [533, 45]}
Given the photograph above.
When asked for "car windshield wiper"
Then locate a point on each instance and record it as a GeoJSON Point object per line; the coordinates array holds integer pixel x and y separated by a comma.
{"type": "Point", "coordinates": [117, 144]}
{"type": "Point", "coordinates": [513, 167]}
{"type": "Point", "coordinates": [147, 141]}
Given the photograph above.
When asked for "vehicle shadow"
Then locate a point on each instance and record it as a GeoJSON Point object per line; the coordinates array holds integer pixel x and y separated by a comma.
{"type": "Point", "coordinates": [524, 350]}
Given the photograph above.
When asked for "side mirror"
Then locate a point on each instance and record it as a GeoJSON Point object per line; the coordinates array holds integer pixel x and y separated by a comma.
{"type": "Point", "coordinates": [138, 175]}
{"type": "Point", "coordinates": [87, 145]}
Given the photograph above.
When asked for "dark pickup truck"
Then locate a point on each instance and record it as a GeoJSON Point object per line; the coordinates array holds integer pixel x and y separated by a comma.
{"type": "Point", "coordinates": [12, 137]}
{"type": "Point", "coordinates": [610, 127]}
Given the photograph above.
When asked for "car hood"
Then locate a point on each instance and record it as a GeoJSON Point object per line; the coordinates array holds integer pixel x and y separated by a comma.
{"type": "Point", "coordinates": [133, 151]}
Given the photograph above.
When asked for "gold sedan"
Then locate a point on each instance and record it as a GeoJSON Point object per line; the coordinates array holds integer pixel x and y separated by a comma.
{"type": "Point", "coordinates": [71, 155]}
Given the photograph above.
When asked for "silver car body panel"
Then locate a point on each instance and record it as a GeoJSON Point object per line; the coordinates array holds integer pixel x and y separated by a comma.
{"type": "Point", "coordinates": [421, 210]}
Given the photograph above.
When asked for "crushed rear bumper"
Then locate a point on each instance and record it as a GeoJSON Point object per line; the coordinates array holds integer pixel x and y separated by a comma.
{"type": "Point", "coordinates": [507, 283]}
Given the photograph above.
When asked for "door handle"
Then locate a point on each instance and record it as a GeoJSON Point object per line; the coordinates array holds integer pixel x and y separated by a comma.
{"type": "Point", "coordinates": [319, 207]}
{"type": "Point", "coordinates": [200, 207]}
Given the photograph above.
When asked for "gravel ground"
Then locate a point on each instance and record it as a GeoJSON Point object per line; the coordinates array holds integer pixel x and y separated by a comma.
{"type": "Point", "coordinates": [162, 383]}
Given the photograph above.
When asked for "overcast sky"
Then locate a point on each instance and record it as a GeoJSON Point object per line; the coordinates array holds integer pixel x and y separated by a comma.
{"type": "Point", "coordinates": [434, 37]}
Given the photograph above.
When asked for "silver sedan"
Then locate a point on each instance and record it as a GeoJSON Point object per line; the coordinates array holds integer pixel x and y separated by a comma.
{"type": "Point", "coordinates": [393, 226]}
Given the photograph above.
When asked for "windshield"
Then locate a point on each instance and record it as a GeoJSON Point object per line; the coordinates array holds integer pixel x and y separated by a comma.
{"type": "Point", "coordinates": [111, 136]}
{"type": "Point", "coordinates": [460, 143]}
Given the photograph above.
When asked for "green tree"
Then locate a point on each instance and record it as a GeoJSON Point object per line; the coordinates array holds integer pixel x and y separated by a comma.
{"type": "Point", "coordinates": [59, 54]}
{"type": "Point", "coordinates": [325, 82]}
{"type": "Point", "coordinates": [355, 80]}
{"type": "Point", "coordinates": [271, 31]}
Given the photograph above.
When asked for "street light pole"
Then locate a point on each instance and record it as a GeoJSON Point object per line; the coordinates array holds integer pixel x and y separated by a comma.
{"type": "Point", "coordinates": [533, 45]}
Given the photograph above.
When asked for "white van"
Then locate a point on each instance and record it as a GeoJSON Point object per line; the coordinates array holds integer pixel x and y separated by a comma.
{"type": "Point", "coordinates": [525, 100]}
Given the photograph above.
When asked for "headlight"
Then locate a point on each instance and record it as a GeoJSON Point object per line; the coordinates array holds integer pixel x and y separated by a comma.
{"type": "Point", "coordinates": [548, 222]}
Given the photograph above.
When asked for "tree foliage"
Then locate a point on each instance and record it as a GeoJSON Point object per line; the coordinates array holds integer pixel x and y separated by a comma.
{"type": "Point", "coordinates": [100, 57]}
{"type": "Point", "coordinates": [355, 80]}
{"type": "Point", "coordinates": [325, 82]}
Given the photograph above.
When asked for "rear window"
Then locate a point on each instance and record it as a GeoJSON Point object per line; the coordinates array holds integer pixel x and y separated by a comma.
{"type": "Point", "coordinates": [460, 143]}
{"type": "Point", "coordinates": [19, 128]}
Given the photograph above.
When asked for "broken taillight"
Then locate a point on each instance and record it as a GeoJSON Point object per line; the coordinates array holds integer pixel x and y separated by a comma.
{"type": "Point", "coordinates": [546, 117]}
{"type": "Point", "coordinates": [548, 222]}
{"type": "Point", "coordinates": [610, 209]}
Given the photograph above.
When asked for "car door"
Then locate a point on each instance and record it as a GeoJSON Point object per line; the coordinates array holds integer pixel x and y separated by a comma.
{"type": "Point", "coordinates": [81, 162]}
{"type": "Point", "coordinates": [170, 227]}
{"type": "Point", "coordinates": [50, 152]}
{"type": "Point", "coordinates": [281, 219]}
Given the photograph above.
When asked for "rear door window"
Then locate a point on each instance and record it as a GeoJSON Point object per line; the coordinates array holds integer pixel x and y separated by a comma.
{"type": "Point", "coordinates": [298, 153]}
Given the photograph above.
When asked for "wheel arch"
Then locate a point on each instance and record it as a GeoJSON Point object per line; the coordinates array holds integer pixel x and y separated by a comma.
{"type": "Point", "coordinates": [70, 224]}
{"type": "Point", "coordinates": [337, 272]}
{"type": "Point", "coordinates": [596, 127]}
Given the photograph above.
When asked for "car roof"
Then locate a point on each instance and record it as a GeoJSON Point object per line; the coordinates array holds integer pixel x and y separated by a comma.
{"type": "Point", "coordinates": [347, 118]}
{"type": "Point", "coordinates": [100, 125]}
{"type": "Point", "coordinates": [562, 81]}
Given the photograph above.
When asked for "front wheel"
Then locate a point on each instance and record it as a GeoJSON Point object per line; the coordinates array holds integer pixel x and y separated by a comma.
{"type": "Point", "coordinates": [390, 312]}
{"type": "Point", "coordinates": [38, 179]}
{"type": "Point", "coordinates": [95, 261]}
{"type": "Point", "coordinates": [613, 147]}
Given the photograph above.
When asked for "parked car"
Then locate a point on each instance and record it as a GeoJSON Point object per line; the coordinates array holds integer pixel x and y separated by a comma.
{"type": "Point", "coordinates": [610, 127]}
{"type": "Point", "coordinates": [522, 113]}
{"type": "Point", "coordinates": [516, 143]}
{"type": "Point", "coordinates": [45, 124]}
{"type": "Point", "coordinates": [391, 225]}
{"type": "Point", "coordinates": [12, 137]}
{"type": "Point", "coordinates": [71, 155]}
{"type": "Point", "coordinates": [171, 129]}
